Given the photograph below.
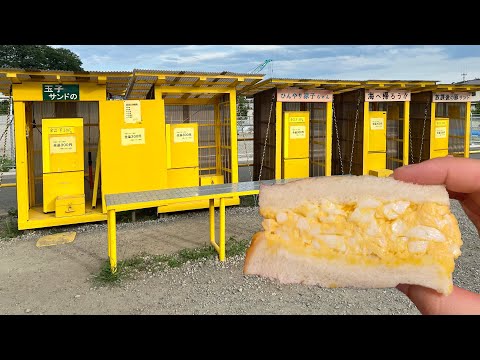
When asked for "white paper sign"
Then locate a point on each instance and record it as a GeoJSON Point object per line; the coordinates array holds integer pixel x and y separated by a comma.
{"type": "Point", "coordinates": [302, 95]}
{"type": "Point", "coordinates": [452, 97]}
{"type": "Point", "coordinates": [133, 136]}
{"type": "Point", "coordinates": [387, 95]}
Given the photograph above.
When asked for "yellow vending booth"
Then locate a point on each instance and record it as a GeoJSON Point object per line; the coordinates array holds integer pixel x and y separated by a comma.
{"type": "Point", "coordinates": [82, 135]}
{"type": "Point", "coordinates": [198, 118]}
{"type": "Point", "coordinates": [372, 127]}
{"type": "Point", "coordinates": [182, 155]}
{"type": "Point", "coordinates": [63, 167]}
{"type": "Point", "coordinates": [56, 119]}
{"type": "Point", "coordinates": [440, 121]}
{"type": "Point", "coordinates": [293, 126]}
{"type": "Point", "coordinates": [295, 159]}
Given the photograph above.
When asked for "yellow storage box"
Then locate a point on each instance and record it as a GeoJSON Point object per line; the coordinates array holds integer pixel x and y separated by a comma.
{"type": "Point", "coordinates": [70, 205]}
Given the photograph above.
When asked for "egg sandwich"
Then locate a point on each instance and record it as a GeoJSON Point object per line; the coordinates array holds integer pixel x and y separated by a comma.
{"type": "Point", "coordinates": [355, 231]}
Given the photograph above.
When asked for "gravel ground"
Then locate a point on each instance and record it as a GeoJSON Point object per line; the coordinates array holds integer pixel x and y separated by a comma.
{"type": "Point", "coordinates": [58, 280]}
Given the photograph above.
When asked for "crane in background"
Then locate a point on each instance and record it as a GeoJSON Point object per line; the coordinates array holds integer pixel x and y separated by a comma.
{"type": "Point", "coordinates": [260, 67]}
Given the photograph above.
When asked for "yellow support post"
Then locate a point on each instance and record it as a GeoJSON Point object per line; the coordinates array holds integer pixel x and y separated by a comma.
{"type": "Point", "coordinates": [112, 240]}
{"type": "Point", "coordinates": [233, 135]}
{"type": "Point", "coordinates": [433, 109]}
{"type": "Point", "coordinates": [366, 130]}
{"type": "Point", "coordinates": [97, 174]}
{"type": "Point", "coordinates": [222, 229]}
{"type": "Point", "coordinates": [21, 163]}
{"type": "Point", "coordinates": [466, 152]}
{"type": "Point", "coordinates": [218, 140]}
{"type": "Point", "coordinates": [102, 112]}
{"type": "Point", "coordinates": [30, 155]}
{"type": "Point", "coordinates": [211, 207]}
{"type": "Point", "coordinates": [406, 127]}
{"type": "Point", "coordinates": [328, 139]}
{"type": "Point", "coordinates": [278, 140]}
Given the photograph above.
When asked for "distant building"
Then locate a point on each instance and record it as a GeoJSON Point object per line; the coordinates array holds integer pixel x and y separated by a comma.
{"type": "Point", "coordinates": [476, 99]}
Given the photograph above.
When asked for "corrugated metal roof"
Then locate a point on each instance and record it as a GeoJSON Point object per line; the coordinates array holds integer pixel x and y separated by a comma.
{"type": "Point", "coordinates": [337, 86]}
{"type": "Point", "coordinates": [40, 71]}
{"type": "Point", "coordinates": [198, 73]}
{"type": "Point", "coordinates": [125, 82]}
{"type": "Point", "coordinates": [333, 85]}
{"type": "Point", "coordinates": [306, 80]}
{"type": "Point", "coordinates": [401, 81]}
{"type": "Point", "coordinates": [458, 87]}
{"type": "Point", "coordinates": [469, 82]}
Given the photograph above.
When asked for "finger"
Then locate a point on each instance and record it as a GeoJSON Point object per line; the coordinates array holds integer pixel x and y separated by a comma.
{"type": "Point", "coordinates": [458, 174]}
{"type": "Point", "coordinates": [456, 195]}
{"type": "Point", "coordinates": [430, 302]}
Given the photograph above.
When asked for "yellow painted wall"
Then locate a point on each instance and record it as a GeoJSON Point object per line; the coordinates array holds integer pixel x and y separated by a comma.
{"type": "Point", "coordinates": [137, 166]}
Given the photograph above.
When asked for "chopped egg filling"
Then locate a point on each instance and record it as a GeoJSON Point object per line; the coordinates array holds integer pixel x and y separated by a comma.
{"type": "Point", "coordinates": [368, 232]}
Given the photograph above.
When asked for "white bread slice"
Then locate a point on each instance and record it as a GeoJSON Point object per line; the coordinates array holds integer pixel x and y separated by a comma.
{"type": "Point", "coordinates": [290, 268]}
{"type": "Point", "coordinates": [272, 259]}
{"type": "Point", "coordinates": [344, 189]}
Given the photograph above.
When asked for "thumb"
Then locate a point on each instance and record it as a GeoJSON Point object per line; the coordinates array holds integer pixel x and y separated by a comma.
{"type": "Point", "coordinates": [430, 302]}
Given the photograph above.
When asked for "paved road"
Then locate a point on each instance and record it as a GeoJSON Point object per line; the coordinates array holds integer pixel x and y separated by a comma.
{"type": "Point", "coordinates": [8, 196]}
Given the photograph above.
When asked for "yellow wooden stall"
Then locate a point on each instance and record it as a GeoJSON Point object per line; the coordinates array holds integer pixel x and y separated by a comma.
{"type": "Point", "coordinates": [440, 121]}
{"type": "Point", "coordinates": [373, 127]}
{"type": "Point", "coordinates": [293, 126]}
{"type": "Point", "coordinates": [82, 135]}
{"type": "Point", "coordinates": [56, 119]}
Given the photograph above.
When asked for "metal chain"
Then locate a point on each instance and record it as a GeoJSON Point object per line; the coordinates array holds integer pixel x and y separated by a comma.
{"type": "Point", "coordinates": [338, 138]}
{"type": "Point", "coordinates": [4, 135]}
{"type": "Point", "coordinates": [246, 154]}
{"type": "Point", "coordinates": [255, 197]}
{"type": "Point", "coordinates": [354, 131]}
{"type": "Point", "coordinates": [266, 138]}
{"type": "Point", "coordinates": [410, 143]}
{"type": "Point", "coordinates": [423, 132]}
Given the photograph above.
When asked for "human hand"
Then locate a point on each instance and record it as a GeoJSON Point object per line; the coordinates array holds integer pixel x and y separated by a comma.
{"type": "Point", "coordinates": [462, 180]}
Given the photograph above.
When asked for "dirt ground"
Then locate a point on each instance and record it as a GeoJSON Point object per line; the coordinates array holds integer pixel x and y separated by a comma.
{"type": "Point", "coordinates": [59, 279]}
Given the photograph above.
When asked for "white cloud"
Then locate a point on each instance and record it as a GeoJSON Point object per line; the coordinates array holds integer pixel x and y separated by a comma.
{"type": "Point", "coordinates": [432, 62]}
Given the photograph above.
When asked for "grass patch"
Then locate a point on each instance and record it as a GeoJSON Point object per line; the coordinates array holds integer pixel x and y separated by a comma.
{"type": "Point", "coordinates": [9, 225]}
{"type": "Point", "coordinates": [154, 263]}
{"type": "Point", "coordinates": [247, 201]}
{"type": "Point", "coordinates": [6, 164]}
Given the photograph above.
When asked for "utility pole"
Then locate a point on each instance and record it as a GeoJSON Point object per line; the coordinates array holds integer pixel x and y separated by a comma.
{"type": "Point", "coordinates": [463, 74]}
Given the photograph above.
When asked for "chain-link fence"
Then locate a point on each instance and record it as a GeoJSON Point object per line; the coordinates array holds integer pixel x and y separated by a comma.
{"type": "Point", "coordinates": [6, 138]}
{"type": "Point", "coordinates": [475, 133]}
{"type": "Point", "coordinates": [245, 135]}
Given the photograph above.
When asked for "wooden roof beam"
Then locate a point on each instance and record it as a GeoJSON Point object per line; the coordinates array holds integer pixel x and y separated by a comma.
{"type": "Point", "coordinates": [14, 78]}
{"type": "Point", "coordinates": [201, 80]}
{"type": "Point", "coordinates": [347, 89]}
{"type": "Point", "coordinates": [236, 82]}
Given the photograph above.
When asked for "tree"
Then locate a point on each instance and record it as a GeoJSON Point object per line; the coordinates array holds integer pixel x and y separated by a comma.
{"type": "Point", "coordinates": [39, 57]}
{"type": "Point", "coordinates": [4, 107]}
{"type": "Point", "coordinates": [242, 106]}
{"type": "Point", "coordinates": [476, 109]}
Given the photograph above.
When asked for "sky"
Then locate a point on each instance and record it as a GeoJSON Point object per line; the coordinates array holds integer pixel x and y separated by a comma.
{"type": "Point", "coordinates": [444, 63]}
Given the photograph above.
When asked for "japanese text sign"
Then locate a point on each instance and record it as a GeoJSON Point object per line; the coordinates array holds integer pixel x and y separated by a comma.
{"type": "Point", "coordinates": [133, 136]}
{"type": "Point", "coordinates": [452, 97]}
{"type": "Point", "coordinates": [59, 92]}
{"type": "Point", "coordinates": [302, 95]}
{"type": "Point", "coordinates": [387, 95]}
